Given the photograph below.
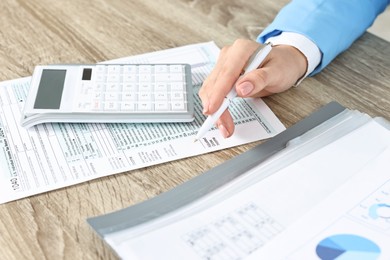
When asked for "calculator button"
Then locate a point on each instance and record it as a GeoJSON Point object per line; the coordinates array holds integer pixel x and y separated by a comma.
{"type": "Point", "coordinates": [176, 68]}
{"type": "Point", "coordinates": [88, 106]}
{"type": "Point", "coordinates": [161, 96]}
{"type": "Point", "coordinates": [100, 77]}
{"type": "Point", "coordinates": [178, 106]}
{"type": "Point", "coordinates": [163, 87]}
{"type": "Point", "coordinates": [131, 96]}
{"type": "Point", "coordinates": [130, 77]}
{"type": "Point", "coordinates": [100, 87]}
{"type": "Point", "coordinates": [161, 68]}
{"type": "Point", "coordinates": [145, 96]}
{"type": "Point", "coordinates": [130, 69]}
{"type": "Point", "coordinates": [144, 106]}
{"type": "Point", "coordinates": [126, 106]}
{"type": "Point", "coordinates": [97, 96]}
{"type": "Point", "coordinates": [101, 69]}
{"type": "Point", "coordinates": [112, 87]}
{"type": "Point", "coordinates": [111, 97]}
{"type": "Point", "coordinates": [114, 69]}
{"type": "Point", "coordinates": [177, 96]}
{"type": "Point", "coordinates": [145, 69]}
{"type": "Point", "coordinates": [161, 106]}
{"type": "Point", "coordinates": [144, 88]}
{"type": "Point", "coordinates": [145, 77]}
{"type": "Point", "coordinates": [130, 87]}
{"type": "Point", "coordinates": [85, 89]}
{"type": "Point", "coordinates": [176, 86]}
{"type": "Point", "coordinates": [97, 105]}
{"type": "Point", "coordinates": [113, 78]}
{"type": "Point", "coordinates": [111, 105]}
{"type": "Point", "coordinates": [168, 77]}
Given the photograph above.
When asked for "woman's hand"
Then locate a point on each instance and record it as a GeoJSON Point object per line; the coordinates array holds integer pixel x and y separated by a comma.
{"type": "Point", "coordinates": [282, 68]}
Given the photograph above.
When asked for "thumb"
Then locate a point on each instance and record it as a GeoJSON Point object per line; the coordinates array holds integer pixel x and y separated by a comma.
{"type": "Point", "coordinates": [253, 84]}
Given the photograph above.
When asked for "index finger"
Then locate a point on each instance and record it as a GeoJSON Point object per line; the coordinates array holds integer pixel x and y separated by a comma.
{"type": "Point", "coordinates": [229, 71]}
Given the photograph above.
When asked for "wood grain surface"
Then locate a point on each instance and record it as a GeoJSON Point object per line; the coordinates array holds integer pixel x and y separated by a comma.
{"type": "Point", "coordinates": [53, 225]}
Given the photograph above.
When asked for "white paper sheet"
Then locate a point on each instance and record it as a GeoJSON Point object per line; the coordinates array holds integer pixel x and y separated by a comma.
{"type": "Point", "coordinates": [245, 222]}
{"type": "Point", "coordinates": [352, 223]}
{"type": "Point", "coordinates": [52, 156]}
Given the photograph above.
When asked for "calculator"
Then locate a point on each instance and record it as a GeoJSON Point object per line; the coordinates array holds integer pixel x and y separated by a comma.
{"type": "Point", "coordinates": [109, 93]}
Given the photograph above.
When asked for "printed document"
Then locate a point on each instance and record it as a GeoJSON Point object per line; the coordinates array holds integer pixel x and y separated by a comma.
{"type": "Point", "coordinates": [51, 156]}
{"type": "Point", "coordinates": [352, 223]}
{"type": "Point", "coordinates": [252, 214]}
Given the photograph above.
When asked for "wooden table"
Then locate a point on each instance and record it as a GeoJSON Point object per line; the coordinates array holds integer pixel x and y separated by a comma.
{"type": "Point", "coordinates": [53, 225]}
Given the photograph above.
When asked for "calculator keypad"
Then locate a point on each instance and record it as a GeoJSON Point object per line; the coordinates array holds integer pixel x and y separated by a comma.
{"type": "Point", "coordinates": [133, 88]}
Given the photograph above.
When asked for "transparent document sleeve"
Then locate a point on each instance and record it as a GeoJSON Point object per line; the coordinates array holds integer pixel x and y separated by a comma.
{"type": "Point", "coordinates": [252, 210]}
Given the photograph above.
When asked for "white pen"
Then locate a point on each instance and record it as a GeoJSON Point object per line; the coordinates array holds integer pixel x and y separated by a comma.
{"type": "Point", "coordinates": [253, 63]}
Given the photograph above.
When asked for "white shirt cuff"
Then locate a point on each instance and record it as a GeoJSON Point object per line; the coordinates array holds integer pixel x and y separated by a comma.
{"type": "Point", "coordinates": [308, 48]}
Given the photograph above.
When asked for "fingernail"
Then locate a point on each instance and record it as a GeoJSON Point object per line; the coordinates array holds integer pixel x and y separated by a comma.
{"type": "Point", "coordinates": [246, 88]}
{"type": "Point", "coordinates": [205, 107]}
{"type": "Point", "coordinates": [223, 131]}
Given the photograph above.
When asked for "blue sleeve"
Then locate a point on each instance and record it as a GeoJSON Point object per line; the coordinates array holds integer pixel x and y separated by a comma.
{"type": "Point", "coordinates": [333, 25]}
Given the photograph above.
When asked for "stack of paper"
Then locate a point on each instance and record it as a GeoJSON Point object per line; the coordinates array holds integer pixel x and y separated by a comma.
{"type": "Point", "coordinates": [325, 195]}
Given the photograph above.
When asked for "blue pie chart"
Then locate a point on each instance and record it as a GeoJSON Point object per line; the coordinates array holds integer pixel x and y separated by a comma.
{"type": "Point", "coordinates": [347, 247]}
{"type": "Point", "coordinates": [375, 211]}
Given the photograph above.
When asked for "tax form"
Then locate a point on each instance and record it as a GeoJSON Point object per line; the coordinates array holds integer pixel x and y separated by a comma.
{"type": "Point", "coordinates": [55, 155]}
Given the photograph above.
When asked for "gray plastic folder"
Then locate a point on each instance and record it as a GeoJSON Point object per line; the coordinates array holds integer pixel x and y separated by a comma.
{"type": "Point", "coordinates": [234, 209]}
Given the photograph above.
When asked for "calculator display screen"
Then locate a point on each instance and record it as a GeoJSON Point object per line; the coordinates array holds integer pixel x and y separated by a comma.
{"type": "Point", "coordinates": [50, 89]}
